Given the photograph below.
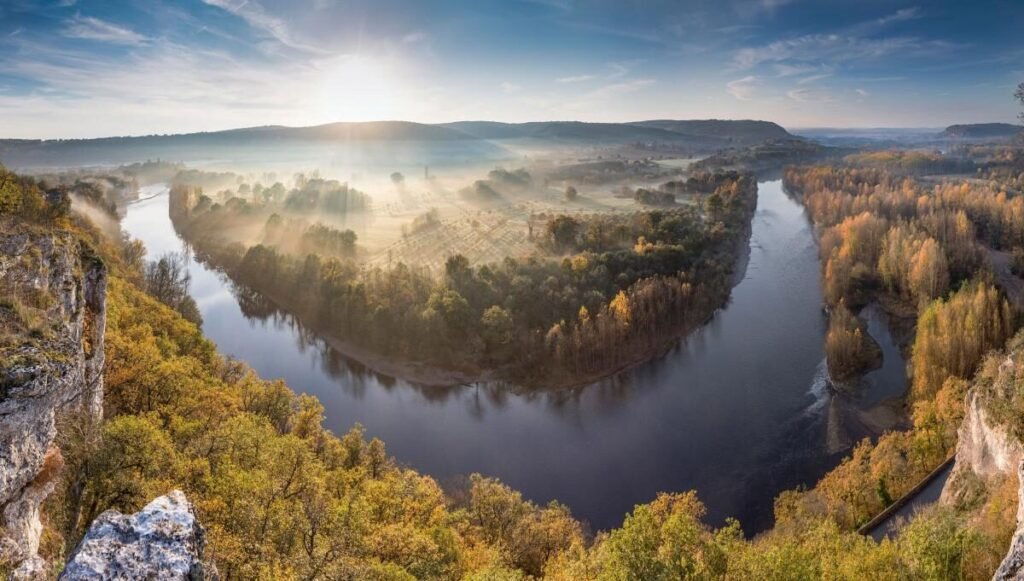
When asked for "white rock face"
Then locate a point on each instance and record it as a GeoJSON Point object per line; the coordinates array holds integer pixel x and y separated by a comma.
{"type": "Point", "coordinates": [42, 377]}
{"type": "Point", "coordinates": [988, 450]}
{"type": "Point", "coordinates": [163, 541]}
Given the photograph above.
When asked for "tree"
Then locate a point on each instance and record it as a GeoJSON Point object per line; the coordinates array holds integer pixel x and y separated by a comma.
{"type": "Point", "coordinates": [168, 280]}
{"type": "Point", "coordinates": [497, 327]}
{"type": "Point", "coordinates": [562, 232]}
{"type": "Point", "coordinates": [953, 336]}
{"type": "Point", "coordinates": [398, 179]}
{"type": "Point", "coordinates": [570, 193]}
{"type": "Point", "coordinates": [848, 347]}
{"type": "Point", "coordinates": [929, 273]}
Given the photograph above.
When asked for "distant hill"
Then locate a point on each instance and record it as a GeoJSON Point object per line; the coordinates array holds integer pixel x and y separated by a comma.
{"type": "Point", "coordinates": [982, 131]}
{"type": "Point", "coordinates": [577, 131]}
{"type": "Point", "coordinates": [379, 142]}
{"type": "Point", "coordinates": [365, 131]}
{"type": "Point", "coordinates": [736, 131]}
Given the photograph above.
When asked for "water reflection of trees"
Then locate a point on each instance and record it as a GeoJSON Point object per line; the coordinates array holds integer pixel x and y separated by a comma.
{"type": "Point", "coordinates": [356, 379]}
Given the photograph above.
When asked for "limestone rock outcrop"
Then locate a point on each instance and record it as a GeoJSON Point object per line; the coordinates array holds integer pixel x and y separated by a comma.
{"type": "Point", "coordinates": [986, 450]}
{"type": "Point", "coordinates": [52, 368]}
{"type": "Point", "coordinates": [163, 541]}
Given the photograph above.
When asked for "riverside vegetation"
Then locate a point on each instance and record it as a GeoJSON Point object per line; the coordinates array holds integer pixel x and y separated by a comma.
{"type": "Point", "coordinates": [601, 291]}
{"type": "Point", "coordinates": [283, 498]}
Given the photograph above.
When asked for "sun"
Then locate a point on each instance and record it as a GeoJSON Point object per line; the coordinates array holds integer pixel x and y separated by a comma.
{"type": "Point", "coordinates": [359, 88]}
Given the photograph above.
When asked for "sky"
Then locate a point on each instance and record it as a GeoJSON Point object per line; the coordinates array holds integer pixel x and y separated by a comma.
{"type": "Point", "coordinates": [80, 68]}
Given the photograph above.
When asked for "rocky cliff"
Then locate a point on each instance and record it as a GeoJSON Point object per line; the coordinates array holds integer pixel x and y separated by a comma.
{"type": "Point", "coordinates": [162, 541]}
{"type": "Point", "coordinates": [52, 315]}
{"type": "Point", "coordinates": [987, 448]}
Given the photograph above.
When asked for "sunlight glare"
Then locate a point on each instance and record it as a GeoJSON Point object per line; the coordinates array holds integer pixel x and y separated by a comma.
{"type": "Point", "coordinates": [359, 88]}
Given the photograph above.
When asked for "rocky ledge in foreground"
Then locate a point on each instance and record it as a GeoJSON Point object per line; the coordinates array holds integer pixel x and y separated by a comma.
{"type": "Point", "coordinates": [162, 541]}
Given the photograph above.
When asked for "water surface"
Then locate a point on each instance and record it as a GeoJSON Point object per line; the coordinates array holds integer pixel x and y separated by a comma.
{"type": "Point", "coordinates": [734, 412]}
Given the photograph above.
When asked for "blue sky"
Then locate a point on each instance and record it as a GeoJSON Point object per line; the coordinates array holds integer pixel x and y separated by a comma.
{"type": "Point", "coordinates": [78, 68]}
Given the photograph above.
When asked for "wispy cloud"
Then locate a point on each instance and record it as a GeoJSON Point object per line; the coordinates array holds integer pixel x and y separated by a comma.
{"type": "Point", "coordinates": [836, 49]}
{"type": "Point", "coordinates": [903, 15]}
{"type": "Point", "coordinates": [89, 28]}
{"type": "Point", "coordinates": [574, 79]}
{"type": "Point", "coordinates": [622, 68]}
{"type": "Point", "coordinates": [563, 5]}
{"type": "Point", "coordinates": [414, 37]}
{"type": "Point", "coordinates": [786, 70]}
{"type": "Point", "coordinates": [808, 95]}
{"type": "Point", "coordinates": [862, 92]}
{"type": "Point", "coordinates": [812, 78]}
{"type": "Point", "coordinates": [257, 17]}
{"type": "Point", "coordinates": [753, 8]}
{"type": "Point", "coordinates": [742, 89]}
{"type": "Point", "coordinates": [510, 87]}
{"type": "Point", "coordinates": [621, 88]}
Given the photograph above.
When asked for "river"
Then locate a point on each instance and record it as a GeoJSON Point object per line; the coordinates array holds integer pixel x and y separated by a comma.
{"type": "Point", "coordinates": [736, 411]}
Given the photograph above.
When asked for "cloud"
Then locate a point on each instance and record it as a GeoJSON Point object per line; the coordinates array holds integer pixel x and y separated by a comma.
{"type": "Point", "coordinates": [807, 95]}
{"type": "Point", "coordinates": [563, 5]}
{"type": "Point", "coordinates": [773, 4]}
{"type": "Point", "coordinates": [510, 87]}
{"type": "Point", "coordinates": [742, 89]}
{"type": "Point", "coordinates": [621, 69]}
{"type": "Point", "coordinates": [903, 15]}
{"type": "Point", "coordinates": [812, 78]}
{"type": "Point", "coordinates": [414, 37]}
{"type": "Point", "coordinates": [753, 8]}
{"type": "Point", "coordinates": [835, 48]}
{"type": "Point", "coordinates": [255, 16]}
{"type": "Point", "coordinates": [574, 79]}
{"type": "Point", "coordinates": [862, 92]}
{"type": "Point", "coordinates": [621, 88]}
{"type": "Point", "coordinates": [784, 70]}
{"type": "Point", "coordinates": [808, 73]}
{"type": "Point", "coordinates": [88, 28]}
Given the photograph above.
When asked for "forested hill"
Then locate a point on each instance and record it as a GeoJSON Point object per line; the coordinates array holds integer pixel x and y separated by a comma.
{"type": "Point", "coordinates": [982, 130]}
{"type": "Point", "coordinates": [735, 131]}
{"type": "Point", "coordinates": [707, 132]}
{"type": "Point", "coordinates": [567, 131]}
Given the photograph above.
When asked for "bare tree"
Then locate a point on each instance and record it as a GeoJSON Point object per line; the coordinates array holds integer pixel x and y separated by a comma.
{"type": "Point", "coordinates": [168, 279]}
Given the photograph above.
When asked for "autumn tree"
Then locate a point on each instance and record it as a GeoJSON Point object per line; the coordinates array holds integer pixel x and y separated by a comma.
{"type": "Point", "coordinates": [848, 347]}
{"type": "Point", "coordinates": [954, 334]}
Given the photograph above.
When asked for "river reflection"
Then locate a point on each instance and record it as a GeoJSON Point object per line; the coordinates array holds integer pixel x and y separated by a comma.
{"type": "Point", "coordinates": [734, 412]}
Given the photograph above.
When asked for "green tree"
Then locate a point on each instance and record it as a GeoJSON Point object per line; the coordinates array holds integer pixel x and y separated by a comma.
{"type": "Point", "coordinates": [497, 327]}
